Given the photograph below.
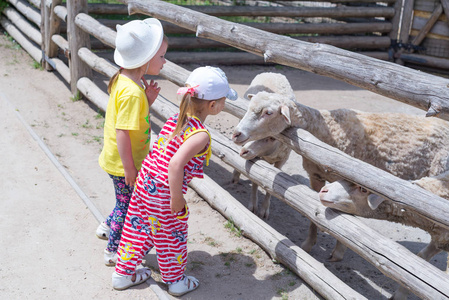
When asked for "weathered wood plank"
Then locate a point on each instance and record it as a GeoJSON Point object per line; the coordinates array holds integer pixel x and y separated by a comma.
{"type": "Point", "coordinates": [425, 60]}
{"type": "Point", "coordinates": [345, 42]}
{"type": "Point", "coordinates": [97, 63]}
{"type": "Point", "coordinates": [32, 50]}
{"type": "Point", "coordinates": [440, 28]}
{"type": "Point", "coordinates": [23, 25]}
{"type": "Point", "coordinates": [285, 28]}
{"type": "Point", "coordinates": [429, 24]}
{"type": "Point", "coordinates": [265, 11]}
{"type": "Point", "coordinates": [61, 12]}
{"type": "Point", "coordinates": [77, 38]}
{"type": "Point", "coordinates": [27, 10]}
{"type": "Point", "coordinates": [93, 93]}
{"type": "Point", "coordinates": [445, 4]}
{"type": "Point", "coordinates": [94, 27]}
{"type": "Point", "coordinates": [406, 22]}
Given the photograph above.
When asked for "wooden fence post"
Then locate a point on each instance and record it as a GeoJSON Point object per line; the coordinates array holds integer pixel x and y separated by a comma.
{"type": "Point", "coordinates": [77, 39]}
{"type": "Point", "coordinates": [43, 29]}
{"type": "Point", "coordinates": [405, 26]}
{"type": "Point", "coordinates": [52, 26]}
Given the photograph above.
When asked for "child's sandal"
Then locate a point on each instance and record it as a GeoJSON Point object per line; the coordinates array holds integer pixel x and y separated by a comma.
{"type": "Point", "coordinates": [103, 231]}
{"type": "Point", "coordinates": [122, 282]}
{"type": "Point", "coordinates": [110, 258]}
{"type": "Point", "coordinates": [188, 284]}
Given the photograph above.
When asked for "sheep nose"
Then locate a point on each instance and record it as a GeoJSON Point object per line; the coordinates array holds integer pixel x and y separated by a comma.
{"type": "Point", "coordinates": [235, 135]}
{"type": "Point", "coordinates": [324, 190]}
{"type": "Point", "coordinates": [243, 152]}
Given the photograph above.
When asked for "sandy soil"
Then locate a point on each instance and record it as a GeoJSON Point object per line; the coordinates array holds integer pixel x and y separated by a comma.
{"type": "Point", "coordinates": [49, 232]}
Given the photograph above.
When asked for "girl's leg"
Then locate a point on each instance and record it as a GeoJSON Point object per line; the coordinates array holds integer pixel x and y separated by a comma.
{"type": "Point", "coordinates": [171, 247]}
{"type": "Point", "coordinates": [116, 219]}
{"type": "Point", "coordinates": [135, 240]}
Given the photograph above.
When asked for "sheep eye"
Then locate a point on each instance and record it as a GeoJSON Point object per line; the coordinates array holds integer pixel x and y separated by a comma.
{"type": "Point", "coordinates": [269, 112]}
{"type": "Point", "coordinates": [363, 190]}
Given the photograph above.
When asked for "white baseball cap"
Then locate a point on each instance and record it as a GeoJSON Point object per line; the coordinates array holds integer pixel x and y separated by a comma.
{"type": "Point", "coordinates": [137, 42]}
{"type": "Point", "coordinates": [210, 83]}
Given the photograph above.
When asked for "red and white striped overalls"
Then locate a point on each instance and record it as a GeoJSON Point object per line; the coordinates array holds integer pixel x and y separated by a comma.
{"type": "Point", "coordinates": [149, 222]}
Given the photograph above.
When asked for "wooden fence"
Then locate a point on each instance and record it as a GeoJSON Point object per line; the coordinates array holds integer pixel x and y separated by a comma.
{"type": "Point", "coordinates": [424, 91]}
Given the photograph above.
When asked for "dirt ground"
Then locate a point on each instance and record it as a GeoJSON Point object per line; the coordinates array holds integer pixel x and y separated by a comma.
{"type": "Point", "coordinates": [48, 231]}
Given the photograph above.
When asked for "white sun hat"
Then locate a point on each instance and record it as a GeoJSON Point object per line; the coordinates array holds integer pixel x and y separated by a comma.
{"type": "Point", "coordinates": [210, 83]}
{"type": "Point", "coordinates": [137, 42]}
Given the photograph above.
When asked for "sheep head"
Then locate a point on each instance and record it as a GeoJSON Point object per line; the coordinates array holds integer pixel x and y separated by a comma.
{"type": "Point", "coordinates": [350, 198]}
{"type": "Point", "coordinates": [260, 148]}
{"type": "Point", "coordinates": [268, 115]}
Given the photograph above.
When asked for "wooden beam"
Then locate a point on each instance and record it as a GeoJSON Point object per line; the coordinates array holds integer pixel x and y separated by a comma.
{"type": "Point", "coordinates": [425, 30]}
{"type": "Point", "coordinates": [23, 25]}
{"type": "Point", "coordinates": [55, 24]}
{"type": "Point", "coordinates": [445, 4]}
{"type": "Point", "coordinates": [283, 28]}
{"type": "Point", "coordinates": [97, 63]}
{"type": "Point", "coordinates": [265, 11]}
{"type": "Point", "coordinates": [426, 60]}
{"type": "Point", "coordinates": [61, 12]}
{"type": "Point", "coordinates": [77, 39]}
{"type": "Point", "coordinates": [345, 42]}
{"type": "Point", "coordinates": [93, 93]}
{"type": "Point", "coordinates": [405, 25]}
{"type": "Point", "coordinates": [395, 21]}
{"type": "Point", "coordinates": [27, 10]}
{"type": "Point", "coordinates": [32, 50]}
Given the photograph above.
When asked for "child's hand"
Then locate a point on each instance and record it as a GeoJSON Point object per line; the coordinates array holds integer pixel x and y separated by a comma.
{"type": "Point", "coordinates": [177, 205]}
{"type": "Point", "coordinates": [130, 176]}
{"type": "Point", "coordinates": [151, 90]}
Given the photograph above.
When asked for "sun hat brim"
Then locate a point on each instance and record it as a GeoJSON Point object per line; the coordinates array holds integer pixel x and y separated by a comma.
{"type": "Point", "coordinates": [148, 52]}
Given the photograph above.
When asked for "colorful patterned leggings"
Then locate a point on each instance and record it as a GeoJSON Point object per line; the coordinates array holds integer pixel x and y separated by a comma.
{"type": "Point", "coordinates": [116, 219]}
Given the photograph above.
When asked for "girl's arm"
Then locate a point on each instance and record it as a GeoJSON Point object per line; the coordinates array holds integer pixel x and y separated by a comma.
{"type": "Point", "coordinates": [191, 147]}
{"type": "Point", "coordinates": [126, 155]}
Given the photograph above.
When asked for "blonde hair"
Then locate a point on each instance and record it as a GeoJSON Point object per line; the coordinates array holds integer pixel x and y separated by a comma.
{"type": "Point", "coordinates": [115, 76]}
{"type": "Point", "coordinates": [188, 107]}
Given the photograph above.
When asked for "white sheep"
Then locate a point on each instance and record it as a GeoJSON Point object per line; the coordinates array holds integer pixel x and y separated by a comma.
{"type": "Point", "coordinates": [272, 151]}
{"type": "Point", "coordinates": [351, 198]}
{"type": "Point", "coordinates": [266, 147]}
{"type": "Point", "coordinates": [408, 146]}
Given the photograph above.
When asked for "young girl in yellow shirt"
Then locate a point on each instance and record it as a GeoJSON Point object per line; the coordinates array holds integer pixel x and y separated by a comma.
{"type": "Point", "coordinates": [140, 49]}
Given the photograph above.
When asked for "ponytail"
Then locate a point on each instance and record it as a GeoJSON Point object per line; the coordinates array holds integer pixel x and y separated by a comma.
{"type": "Point", "coordinates": [189, 105]}
{"type": "Point", "coordinates": [184, 110]}
{"type": "Point", "coordinates": [114, 79]}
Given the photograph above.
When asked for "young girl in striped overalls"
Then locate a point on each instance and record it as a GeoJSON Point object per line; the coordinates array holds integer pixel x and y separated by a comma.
{"type": "Point", "coordinates": [158, 213]}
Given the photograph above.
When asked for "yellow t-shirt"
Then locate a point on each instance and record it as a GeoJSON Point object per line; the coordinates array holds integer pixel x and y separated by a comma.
{"type": "Point", "coordinates": [127, 110]}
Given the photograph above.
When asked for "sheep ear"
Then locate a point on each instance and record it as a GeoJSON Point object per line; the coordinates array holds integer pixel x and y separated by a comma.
{"type": "Point", "coordinates": [374, 201]}
{"type": "Point", "coordinates": [285, 111]}
{"type": "Point", "coordinates": [250, 96]}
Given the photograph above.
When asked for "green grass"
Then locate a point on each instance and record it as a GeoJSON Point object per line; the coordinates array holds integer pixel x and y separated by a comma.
{"type": "Point", "coordinates": [3, 5]}
{"type": "Point", "coordinates": [86, 125]}
{"type": "Point", "coordinates": [37, 65]}
{"type": "Point", "coordinates": [233, 228]}
{"type": "Point", "coordinates": [76, 97]}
